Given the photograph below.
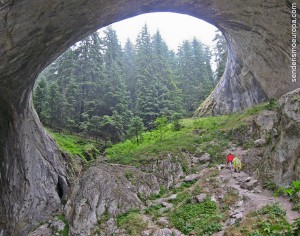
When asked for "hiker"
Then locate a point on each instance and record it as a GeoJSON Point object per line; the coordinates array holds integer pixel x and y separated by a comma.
{"type": "Point", "coordinates": [229, 160]}
{"type": "Point", "coordinates": [237, 164]}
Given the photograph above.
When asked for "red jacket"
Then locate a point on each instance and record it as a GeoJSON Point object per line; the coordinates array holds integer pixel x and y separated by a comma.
{"type": "Point", "coordinates": [229, 158]}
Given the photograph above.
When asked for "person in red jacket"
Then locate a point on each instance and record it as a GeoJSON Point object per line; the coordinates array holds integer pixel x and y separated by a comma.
{"type": "Point", "coordinates": [229, 160]}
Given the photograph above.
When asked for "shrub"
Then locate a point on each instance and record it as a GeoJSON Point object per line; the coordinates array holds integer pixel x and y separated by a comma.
{"type": "Point", "coordinates": [202, 217]}
{"type": "Point", "coordinates": [132, 222]}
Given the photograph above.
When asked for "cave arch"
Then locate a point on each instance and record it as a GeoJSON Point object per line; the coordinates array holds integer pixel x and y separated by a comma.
{"type": "Point", "coordinates": [34, 33]}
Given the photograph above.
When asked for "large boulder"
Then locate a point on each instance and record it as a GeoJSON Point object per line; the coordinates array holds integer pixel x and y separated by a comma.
{"type": "Point", "coordinates": [106, 189]}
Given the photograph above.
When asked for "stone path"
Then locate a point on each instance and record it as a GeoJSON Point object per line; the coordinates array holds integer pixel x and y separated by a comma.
{"type": "Point", "coordinates": [254, 197]}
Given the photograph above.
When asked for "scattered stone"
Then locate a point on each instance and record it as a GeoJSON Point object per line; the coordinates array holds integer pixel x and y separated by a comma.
{"type": "Point", "coordinates": [192, 177]}
{"type": "Point", "coordinates": [205, 157]}
{"type": "Point", "coordinates": [213, 199]}
{"type": "Point", "coordinates": [239, 203]}
{"type": "Point", "coordinates": [58, 225]}
{"type": "Point", "coordinates": [167, 205]}
{"type": "Point", "coordinates": [260, 142]}
{"type": "Point", "coordinates": [222, 166]}
{"type": "Point", "coordinates": [249, 185]}
{"type": "Point", "coordinates": [238, 216]}
{"type": "Point", "coordinates": [163, 221]}
{"type": "Point", "coordinates": [247, 180]}
{"type": "Point", "coordinates": [256, 190]}
{"type": "Point", "coordinates": [201, 197]}
{"type": "Point", "coordinates": [165, 232]}
{"type": "Point", "coordinates": [202, 167]}
{"type": "Point", "coordinates": [172, 197]}
{"type": "Point", "coordinates": [230, 221]}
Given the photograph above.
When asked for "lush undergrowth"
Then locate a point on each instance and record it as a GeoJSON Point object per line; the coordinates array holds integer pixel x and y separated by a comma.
{"type": "Point", "coordinates": [209, 134]}
{"type": "Point", "coordinates": [269, 220]}
{"type": "Point", "coordinates": [86, 149]}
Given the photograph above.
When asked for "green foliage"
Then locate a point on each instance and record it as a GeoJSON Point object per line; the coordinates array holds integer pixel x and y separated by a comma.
{"type": "Point", "coordinates": [269, 185]}
{"type": "Point", "coordinates": [202, 217]}
{"type": "Point", "coordinates": [269, 220]}
{"type": "Point", "coordinates": [96, 87]}
{"type": "Point", "coordinates": [129, 175]}
{"type": "Point", "coordinates": [132, 222]}
{"type": "Point", "coordinates": [161, 126]}
{"type": "Point", "coordinates": [65, 231]}
{"type": "Point", "coordinates": [136, 127]}
{"type": "Point", "coordinates": [220, 54]}
{"type": "Point", "coordinates": [272, 105]}
{"type": "Point", "coordinates": [176, 125]}
{"type": "Point", "coordinates": [87, 149]}
{"type": "Point", "coordinates": [215, 134]}
{"type": "Point", "coordinates": [294, 194]}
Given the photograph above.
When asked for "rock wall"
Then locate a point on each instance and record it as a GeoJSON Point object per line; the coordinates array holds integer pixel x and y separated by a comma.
{"type": "Point", "coordinates": [34, 33]}
{"type": "Point", "coordinates": [32, 177]}
{"type": "Point", "coordinates": [275, 134]}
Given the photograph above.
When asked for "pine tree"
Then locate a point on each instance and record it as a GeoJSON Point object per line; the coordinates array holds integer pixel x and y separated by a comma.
{"type": "Point", "coordinates": [220, 54]}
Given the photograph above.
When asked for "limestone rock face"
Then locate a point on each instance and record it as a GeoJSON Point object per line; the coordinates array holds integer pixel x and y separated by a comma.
{"type": "Point", "coordinates": [278, 159]}
{"type": "Point", "coordinates": [32, 178]}
{"type": "Point", "coordinates": [34, 33]}
{"type": "Point", "coordinates": [106, 189]}
{"type": "Point", "coordinates": [283, 155]}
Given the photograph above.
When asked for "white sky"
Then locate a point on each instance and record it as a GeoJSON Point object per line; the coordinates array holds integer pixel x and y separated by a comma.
{"type": "Point", "coordinates": [174, 28]}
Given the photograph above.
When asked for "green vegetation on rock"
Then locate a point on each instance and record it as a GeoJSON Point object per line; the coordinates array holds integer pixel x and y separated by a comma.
{"type": "Point", "coordinates": [86, 149]}
{"type": "Point", "coordinates": [209, 134]}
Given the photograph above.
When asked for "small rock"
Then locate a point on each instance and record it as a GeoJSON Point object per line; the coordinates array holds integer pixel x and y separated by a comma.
{"type": "Point", "coordinates": [202, 167]}
{"type": "Point", "coordinates": [58, 225]}
{"type": "Point", "coordinates": [222, 166]}
{"type": "Point", "coordinates": [260, 142]}
{"type": "Point", "coordinates": [247, 180]}
{"type": "Point", "coordinates": [192, 177]}
{"type": "Point", "coordinates": [238, 216]}
{"type": "Point", "coordinates": [205, 157]}
{"type": "Point", "coordinates": [200, 198]}
{"type": "Point", "coordinates": [249, 185]}
{"type": "Point", "coordinates": [167, 205]}
{"type": "Point", "coordinates": [213, 199]}
{"type": "Point", "coordinates": [239, 203]}
{"type": "Point", "coordinates": [172, 197]}
{"type": "Point", "coordinates": [165, 232]}
{"type": "Point", "coordinates": [163, 221]}
{"type": "Point", "coordinates": [230, 222]}
{"type": "Point", "coordinates": [256, 190]}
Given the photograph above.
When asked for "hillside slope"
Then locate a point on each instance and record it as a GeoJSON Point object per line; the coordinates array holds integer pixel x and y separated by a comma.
{"type": "Point", "coordinates": [174, 182]}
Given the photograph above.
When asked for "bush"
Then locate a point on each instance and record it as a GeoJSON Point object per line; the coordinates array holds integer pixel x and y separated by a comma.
{"type": "Point", "coordinates": [132, 222]}
{"type": "Point", "coordinates": [202, 217]}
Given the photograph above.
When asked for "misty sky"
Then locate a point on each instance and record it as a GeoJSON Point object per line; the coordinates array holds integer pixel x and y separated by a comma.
{"type": "Point", "coordinates": [173, 27]}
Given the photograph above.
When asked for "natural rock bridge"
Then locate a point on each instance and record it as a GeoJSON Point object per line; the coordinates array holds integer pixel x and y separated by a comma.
{"type": "Point", "coordinates": [33, 175]}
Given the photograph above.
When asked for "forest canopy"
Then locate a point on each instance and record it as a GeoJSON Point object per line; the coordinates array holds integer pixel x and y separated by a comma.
{"type": "Point", "coordinates": [102, 90]}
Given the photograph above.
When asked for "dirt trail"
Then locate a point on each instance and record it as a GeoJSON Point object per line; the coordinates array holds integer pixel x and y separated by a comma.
{"type": "Point", "coordinates": [254, 197]}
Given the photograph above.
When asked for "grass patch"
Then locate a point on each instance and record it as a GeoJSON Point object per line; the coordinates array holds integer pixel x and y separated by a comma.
{"type": "Point", "coordinates": [202, 217]}
{"type": "Point", "coordinates": [86, 149]}
{"type": "Point", "coordinates": [132, 222]}
{"type": "Point", "coordinates": [269, 220]}
{"type": "Point", "coordinates": [210, 134]}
